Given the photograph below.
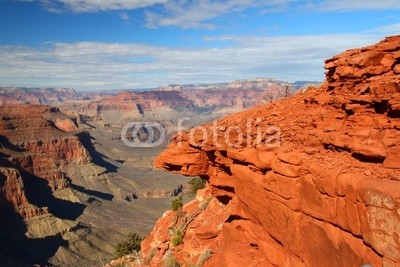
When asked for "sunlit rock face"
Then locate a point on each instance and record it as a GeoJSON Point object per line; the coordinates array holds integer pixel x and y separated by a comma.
{"type": "Point", "coordinates": [36, 141]}
{"type": "Point", "coordinates": [325, 193]}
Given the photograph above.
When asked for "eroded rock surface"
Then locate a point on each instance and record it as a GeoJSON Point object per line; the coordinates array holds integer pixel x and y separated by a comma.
{"type": "Point", "coordinates": [36, 142]}
{"type": "Point", "coordinates": [314, 179]}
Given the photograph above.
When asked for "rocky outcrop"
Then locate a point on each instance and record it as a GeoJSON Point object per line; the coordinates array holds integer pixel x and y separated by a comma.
{"type": "Point", "coordinates": [311, 180]}
{"type": "Point", "coordinates": [13, 198]}
{"type": "Point", "coordinates": [35, 142]}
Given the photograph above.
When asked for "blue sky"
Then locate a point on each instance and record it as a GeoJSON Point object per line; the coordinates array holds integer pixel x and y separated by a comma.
{"type": "Point", "coordinates": [127, 44]}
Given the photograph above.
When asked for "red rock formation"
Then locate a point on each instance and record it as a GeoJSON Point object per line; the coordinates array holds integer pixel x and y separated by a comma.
{"type": "Point", "coordinates": [146, 100]}
{"type": "Point", "coordinates": [13, 198]}
{"type": "Point", "coordinates": [31, 141]}
{"type": "Point", "coordinates": [320, 188]}
{"type": "Point", "coordinates": [241, 93]}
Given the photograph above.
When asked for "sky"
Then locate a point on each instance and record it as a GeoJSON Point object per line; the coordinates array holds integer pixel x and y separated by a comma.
{"type": "Point", "coordinates": [135, 44]}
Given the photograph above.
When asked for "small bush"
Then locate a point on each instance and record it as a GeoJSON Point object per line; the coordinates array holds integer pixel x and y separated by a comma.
{"type": "Point", "coordinates": [177, 203]}
{"type": "Point", "coordinates": [177, 238]}
{"type": "Point", "coordinates": [195, 184]}
{"type": "Point", "coordinates": [170, 261]}
{"type": "Point", "coordinates": [204, 257]}
{"type": "Point", "coordinates": [149, 256]}
{"type": "Point", "coordinates": [128, 246]}
{"type": "Point", "coordinates": [204, 204]}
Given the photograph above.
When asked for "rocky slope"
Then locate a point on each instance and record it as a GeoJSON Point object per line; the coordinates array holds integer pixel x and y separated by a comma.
{"type": "Point", "coordinates": [313, 180]}
{"type": "Point", "coordinates": [35, 140]}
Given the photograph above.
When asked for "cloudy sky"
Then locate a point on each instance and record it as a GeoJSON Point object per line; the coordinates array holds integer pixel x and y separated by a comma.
{"type": "Point", "coordinates": [128, 44]}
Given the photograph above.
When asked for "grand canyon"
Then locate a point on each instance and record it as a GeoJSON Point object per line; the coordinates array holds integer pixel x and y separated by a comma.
{"type": "Point", "coordinates": [71, 189]}
{"type": "Point", "coordinates": [215, 133]}
{"type": "Point", "coordinates": [309, 176]}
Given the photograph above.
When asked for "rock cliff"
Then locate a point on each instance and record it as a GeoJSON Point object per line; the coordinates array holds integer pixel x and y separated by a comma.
{"type": "Point", "coordinates": [311, 180]}
{"type": "Point", "coordinates": [36, 141]}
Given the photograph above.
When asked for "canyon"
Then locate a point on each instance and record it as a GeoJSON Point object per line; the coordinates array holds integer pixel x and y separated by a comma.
{"type": "Point", "coordinates": [67, 197]}
{"type": "Point", "coordinates": [313, 181]}
{"type": "Point", "coordinates": [70, 188]}
{"type": "Point", "coordinates": [307, 177]}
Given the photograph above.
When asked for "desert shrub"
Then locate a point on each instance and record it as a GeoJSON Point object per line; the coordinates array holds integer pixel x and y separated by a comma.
{"type": "Point", "coordinates": [195, 184]}
{"type": "Point", "coordinates": [177, 238]}
{"type": "Point", "coordinates": [149, 256]}
{"type": "Point", "coordinates": [177, 203]}
{"type": "Point", "coordinates": [170, 261]}
{"type": "Point", "coordinates": [204, 204]}
{"type": "Point", "coordinates": [205, 255]}
{"type": "Point", "coordinates": [128, 246]}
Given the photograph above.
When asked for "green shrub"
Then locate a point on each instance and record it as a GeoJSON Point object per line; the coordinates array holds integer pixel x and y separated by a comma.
{"type": "Point", "coordinates": [177, 238]}
{"type": "Point", "coordinates": [177, 203]}
{"type": "Point", "coordinates": [195, 184]}
{"type": "Point", "coordinates": [128, 246]}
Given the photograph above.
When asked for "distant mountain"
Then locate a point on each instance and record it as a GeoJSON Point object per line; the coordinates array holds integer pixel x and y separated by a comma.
{"type": "Point", "coordinates": [300, 84]}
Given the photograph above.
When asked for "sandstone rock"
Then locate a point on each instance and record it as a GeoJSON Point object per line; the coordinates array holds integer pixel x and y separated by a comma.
{"type": "Point", "coordinates": [66, 125]}
{"type": "Point", "coordinates": [335, 205]}
{"type": "Point", "coordinates": [33, 145]}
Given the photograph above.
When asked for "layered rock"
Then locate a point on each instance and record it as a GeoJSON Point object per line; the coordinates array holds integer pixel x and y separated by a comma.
{"type": "Point", "coordinates": [240, 93]}
{"type": "Point", "coordinates": [140, 101]}
{"type": "Point", "coordinates": [36, 141]}
{"type": "Point", "coordinates": [312, 180]}
{"type": "Point", "coordinates": [13, 198]}
{"type": "Point", "coordinates": [21, 95]}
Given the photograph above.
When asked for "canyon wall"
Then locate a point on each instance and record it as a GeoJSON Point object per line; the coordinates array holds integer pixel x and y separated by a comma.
{"type": "Point", "coordinates": [240, 93]}
{"type": "Point", "coordinates": [36, 141]}
{"type": "Point", "coordinates": [117, 107]}
{"type": "Point", "coordinates": [311, 180]}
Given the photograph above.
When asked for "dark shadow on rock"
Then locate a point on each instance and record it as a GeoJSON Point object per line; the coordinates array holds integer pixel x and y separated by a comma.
{"type": "Point", "coordinates": [19, 250]}
{"type": "Point", "coordinates": [39, 194]}
{"type": "Point", "coordinates": [94, 193]}
{"type": "Point", "coordinates": [16, 249]}
{"type": "Point", "coordinates": [97, 157]}
{"type": "Point", "coordinates": [4, 142]}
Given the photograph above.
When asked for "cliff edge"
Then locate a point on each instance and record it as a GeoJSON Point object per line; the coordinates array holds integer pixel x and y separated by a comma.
{"type": "Point", "coordinates": [311, 180]}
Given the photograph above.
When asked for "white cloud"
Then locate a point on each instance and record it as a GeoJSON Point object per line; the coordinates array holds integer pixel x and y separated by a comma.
{"type": "Point", "coordinates": [196, 14]}
{"type": "Point", "coordinates": [349, 5]}
{"type": "Point", "coordinates": [124, 16]}
{"type": "Point", "coordinates": [83, 6]}
{"type": "Point", "coordinates": [200, 13]}
{"type": "Point", "coordinates": [95, 65]}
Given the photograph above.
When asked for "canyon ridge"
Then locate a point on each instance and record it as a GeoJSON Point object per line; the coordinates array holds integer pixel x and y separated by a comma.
{"type": "Point", "coordinates": [324, 191]}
